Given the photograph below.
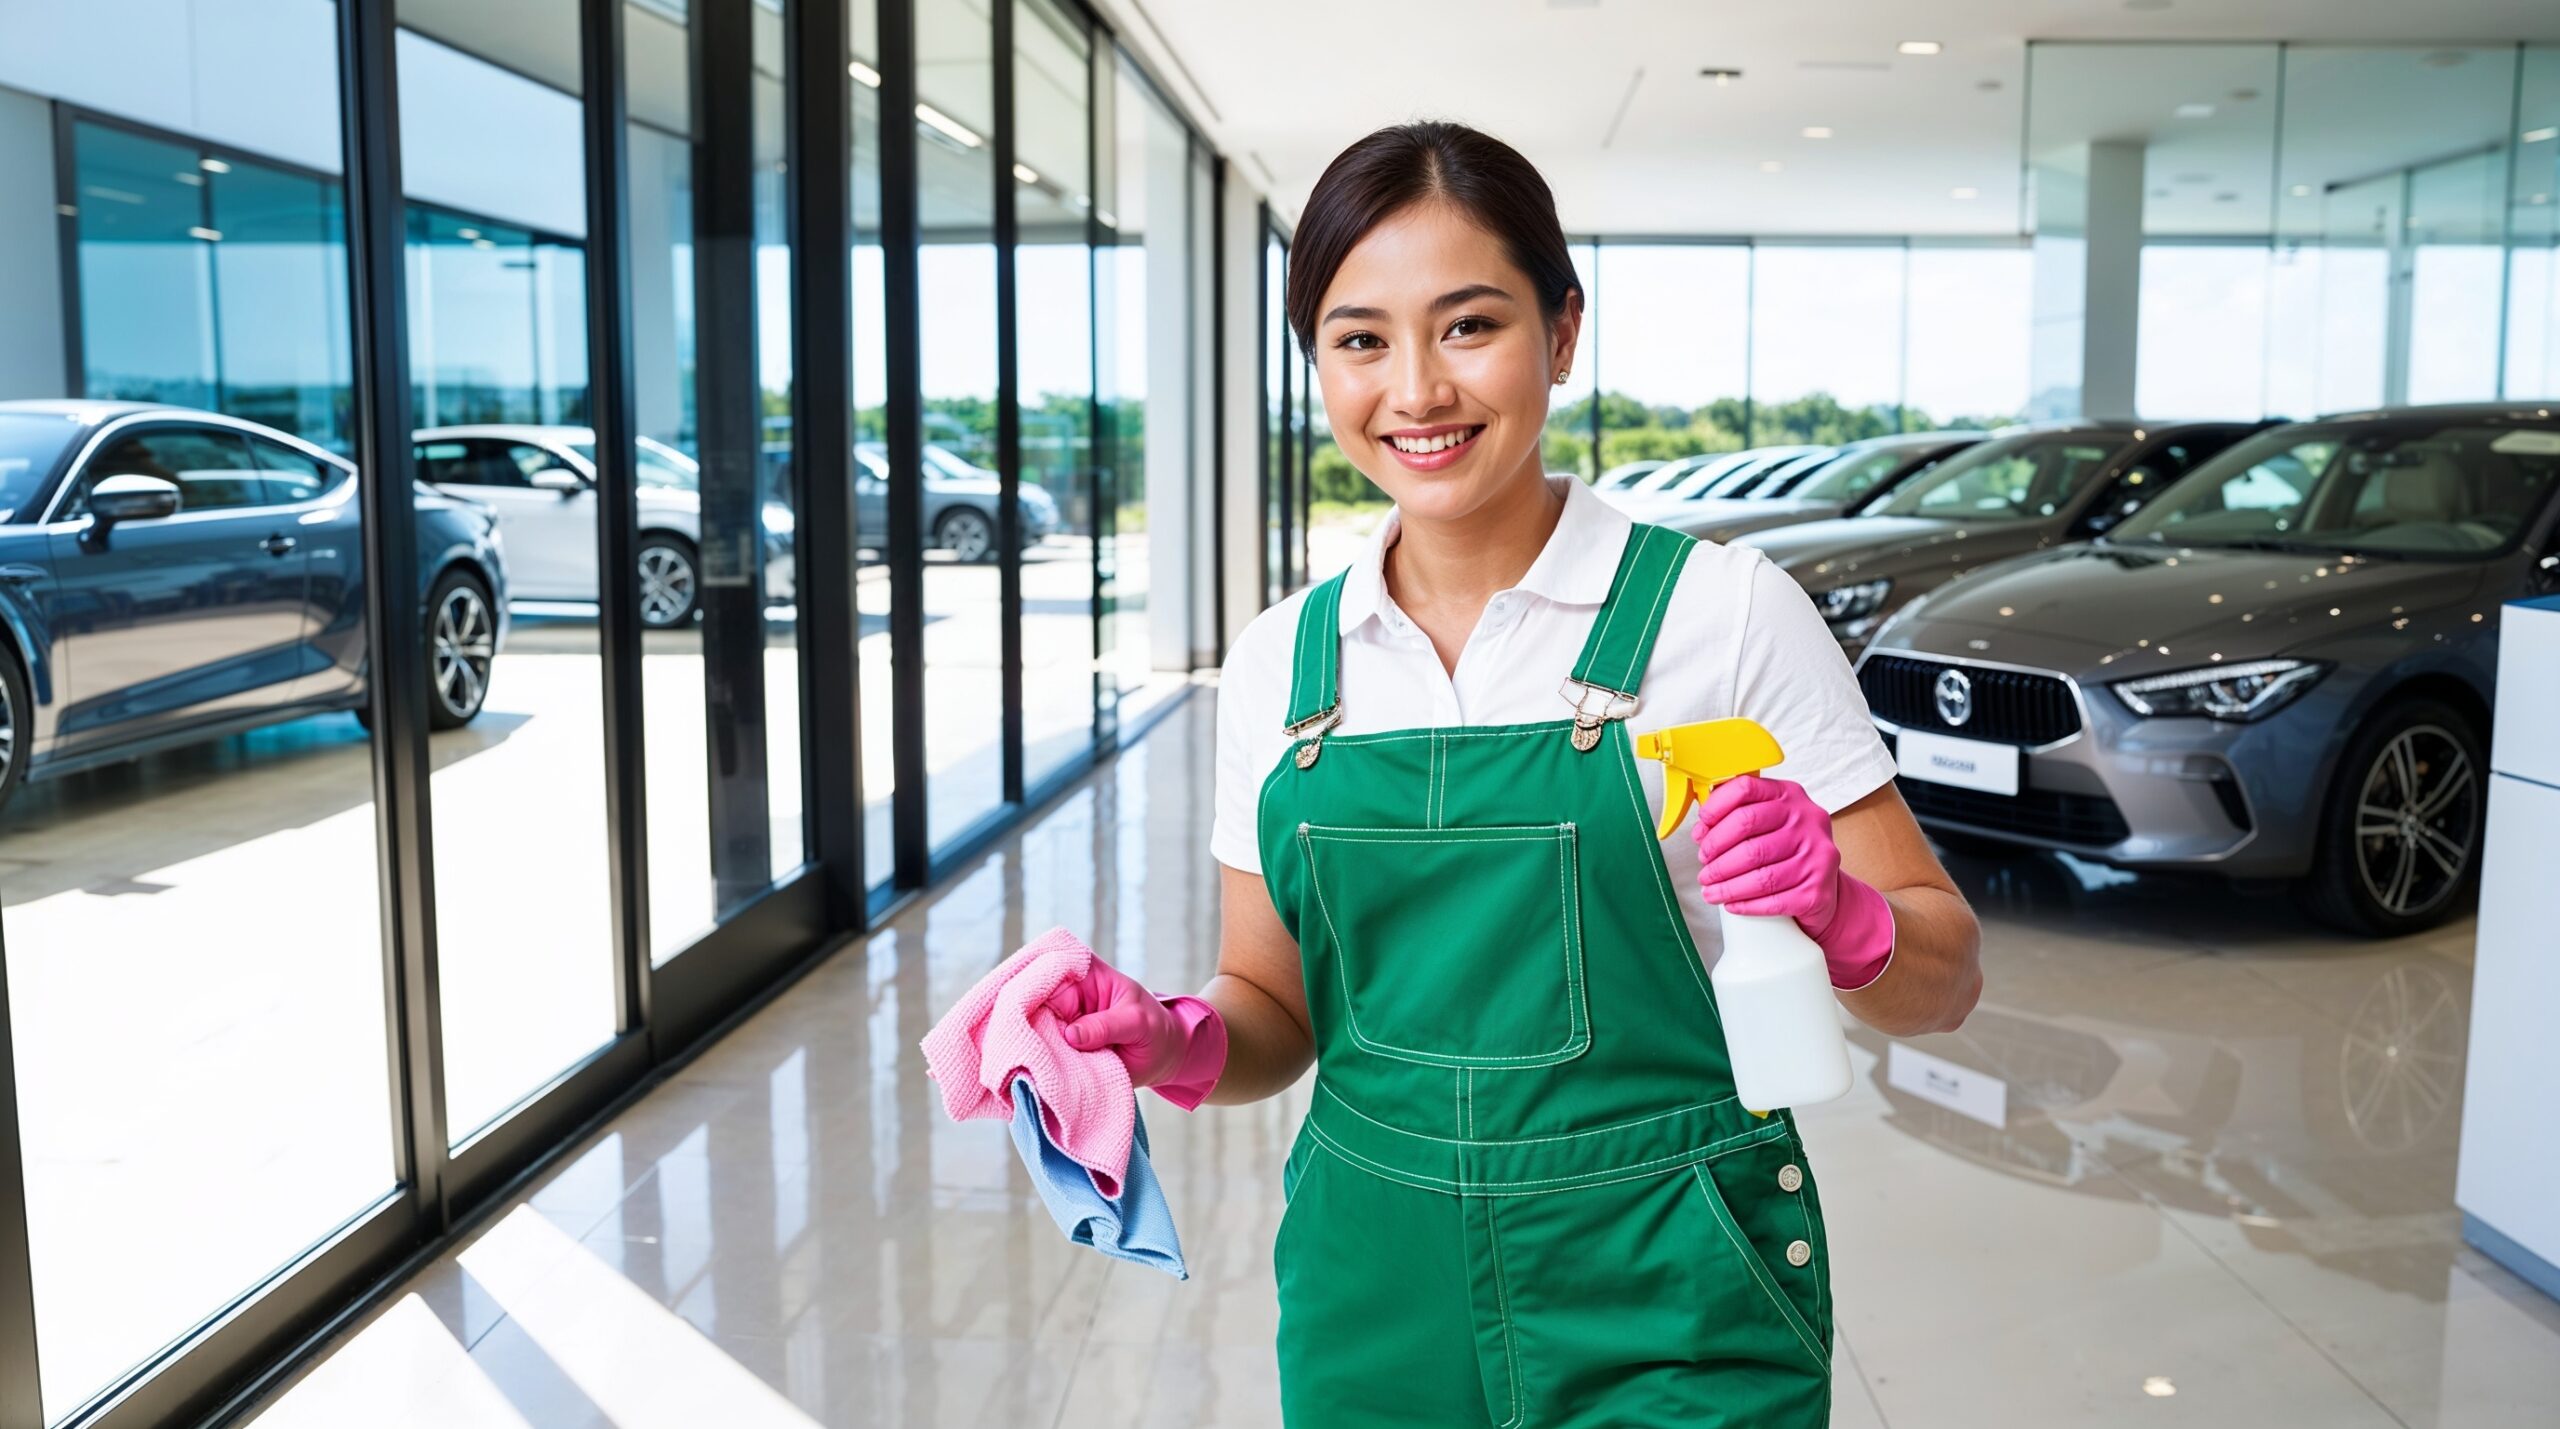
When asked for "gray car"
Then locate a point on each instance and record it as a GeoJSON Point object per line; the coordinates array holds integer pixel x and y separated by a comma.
{"type": "Point", "coordinates": [2020, 492]}
{"type": "Point", "coordinates": [959, 502]}
{"type": "Point", "coordinates": [2281, 669]}
{"type": "Point", "coordinates": [1832, 484]}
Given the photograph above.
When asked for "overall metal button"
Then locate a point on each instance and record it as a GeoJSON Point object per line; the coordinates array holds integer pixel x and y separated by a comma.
{"type": "Point", "coordinates": [1798, 1252]}
{"type": "Point", "coordinates": [1790, 1179]}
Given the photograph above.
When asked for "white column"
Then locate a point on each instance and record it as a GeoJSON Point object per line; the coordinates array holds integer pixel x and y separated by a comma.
{"type": "Point", "coordinates": [2088, 282]}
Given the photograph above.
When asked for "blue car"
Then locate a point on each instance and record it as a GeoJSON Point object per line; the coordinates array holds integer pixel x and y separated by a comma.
{"type": "Point", "coordinates": [169, 576]}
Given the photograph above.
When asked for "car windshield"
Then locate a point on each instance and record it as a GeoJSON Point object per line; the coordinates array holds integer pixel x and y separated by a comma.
{"type": "Point", "coordinates": [1696, 480]}
{"type": "Point", "coordinates": [2404, 490]}
{"type": "Point", "coordinates": [662, 467]}
{"type": "Point", "coordinates": [30, 444]}
{"type": "Point", "coordinates": [2020, 478]}
{"type": "Point", "coordinates": [941, 461]}
{"type": "Point", "coordinates": [1849, 477]}
{"type": "Point", "coordinates": [1672, 473]}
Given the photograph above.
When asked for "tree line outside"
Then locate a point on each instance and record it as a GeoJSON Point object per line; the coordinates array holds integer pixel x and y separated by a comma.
{"type": "Point", "coordinates": [1637, 431]}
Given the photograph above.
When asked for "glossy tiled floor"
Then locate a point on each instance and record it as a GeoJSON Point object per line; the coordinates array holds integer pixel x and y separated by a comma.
{"type": "Point", "coordinates": [2219, 1192]}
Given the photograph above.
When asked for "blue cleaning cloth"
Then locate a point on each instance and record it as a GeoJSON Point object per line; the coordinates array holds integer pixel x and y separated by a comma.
{"type": "Point", "coordinates": [1138, 1226]}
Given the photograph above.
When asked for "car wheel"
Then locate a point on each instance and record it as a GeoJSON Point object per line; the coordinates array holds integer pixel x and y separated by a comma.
{"type": "Point", "coordinates": [966, 533]}
{"type": "Point", "coordinates": [462, 640]}
{"type": "Point", "coordinates": [2400, 838]}
{"type": "Point", "coordinates": [670, 582]}
{"type": "Point", "coordinates": [17, 728]}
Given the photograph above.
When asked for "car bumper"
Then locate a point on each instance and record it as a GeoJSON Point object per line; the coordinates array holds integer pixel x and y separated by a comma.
{"type": "Point", "coordinates": [2199, 794]}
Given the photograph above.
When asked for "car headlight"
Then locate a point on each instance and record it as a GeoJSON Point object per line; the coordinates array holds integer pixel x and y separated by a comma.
{"type": "Point", "coordinates": [1842, 604]}
{"type": "Point", "coordinates": [2227, 692]}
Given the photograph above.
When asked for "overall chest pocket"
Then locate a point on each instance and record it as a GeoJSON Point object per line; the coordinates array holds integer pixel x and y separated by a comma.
{"type": "Point", "coordinates": [1455, 947]}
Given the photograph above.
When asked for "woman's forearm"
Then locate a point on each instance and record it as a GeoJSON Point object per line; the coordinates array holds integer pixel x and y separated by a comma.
{"type": "Point", "coordinates": [1935, 975]}
{"type": "Point", "coordinates": [1268, 1049]}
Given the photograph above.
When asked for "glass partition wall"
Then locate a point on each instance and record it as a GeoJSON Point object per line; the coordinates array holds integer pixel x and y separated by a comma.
{"type": "Point", "coordinates": [629, 565]}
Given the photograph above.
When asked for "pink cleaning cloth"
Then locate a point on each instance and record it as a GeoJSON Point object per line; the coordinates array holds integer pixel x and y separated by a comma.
{"type": "Point", "coordinates": [1004, 1029]}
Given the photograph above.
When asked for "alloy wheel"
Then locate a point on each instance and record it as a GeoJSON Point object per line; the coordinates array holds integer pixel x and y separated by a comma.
{"type": "Point", "coordinates": [2417, 820]}
{"type": "Point", "coordinates": [666, 586]}
{"type": "Point", "coordinates": [465, 642]}
{"type": "Point", "coordinates": [966, 535]}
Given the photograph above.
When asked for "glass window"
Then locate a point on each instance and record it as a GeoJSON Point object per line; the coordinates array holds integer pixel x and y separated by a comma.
{"type": "Point", "coordinates": [1054, 343]}
{"type": "Point", "coordinates": [212, 469]}
{"type": "Point", "coordinates": [1670, 344]}
{"type": "Point", "coordinates": [30, 448]}
{"type": "Point", "coordinates": [291, 475]}
{"type": "Point", "coordinates": [2194, 298]}
{"type": "Point", "coordinates": [870, 575]}
{"type": "Point", "coordinates": [2009, 478]}
{"type": "Point", "coordinates": [1966, 335]}
{"type": "Point", "coordinates": [2404, 489]}
{"type": "Point", "coordinates": [280, 281]}
{"type": "Point", "coordinates": [147, 309]}
{"type": "Point", "coordinates": [1826, 343]}
{"type": "Point", "coordinates": [2533, 232]}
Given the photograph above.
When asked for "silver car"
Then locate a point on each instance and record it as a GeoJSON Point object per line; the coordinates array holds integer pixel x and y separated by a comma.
{"type": "Point", "coordinates": [1831, 484]}
{"type": "Point", "coordinates": [541, 482]}
{"type": "Point", "coordinates": [2283, 668]}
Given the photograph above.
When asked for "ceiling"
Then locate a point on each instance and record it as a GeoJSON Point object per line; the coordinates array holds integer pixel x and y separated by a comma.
{"type": "Point", "coordinates": [1606, 95]}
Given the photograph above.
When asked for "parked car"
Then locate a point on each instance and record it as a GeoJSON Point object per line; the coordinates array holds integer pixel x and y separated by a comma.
{"type": "Point", "coordinates": [2283, 668]}
{"type": "Point", "coordinates": [1831, 484]}
{"type": "Point", "coordinates": [959, 502]}
{"type": "Point", "coordinates": [1733, 473]}
{"type": "Point", "coordinates": [541, 481]}
{"type": "Point", "coordinates": [2022, 492]}
{"type": "Point", "coordinates": [1670, 473]}
{"type": "Point", "coordinates": [1626, 472]}
{"type": "Point", "coordinates": [169, 576]}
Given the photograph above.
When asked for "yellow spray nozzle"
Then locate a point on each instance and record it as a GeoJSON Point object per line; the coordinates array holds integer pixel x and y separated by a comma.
{"type": "Point", "coordinates": [1697, 757]}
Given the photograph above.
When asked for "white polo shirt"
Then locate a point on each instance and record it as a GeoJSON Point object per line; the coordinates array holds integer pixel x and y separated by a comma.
{"type": "Point", "coordinates": [1739, 638]}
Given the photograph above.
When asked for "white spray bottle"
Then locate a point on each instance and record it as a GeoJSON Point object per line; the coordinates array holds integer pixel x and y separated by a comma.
{"type": "Point", "coordinates": [1773, 988]}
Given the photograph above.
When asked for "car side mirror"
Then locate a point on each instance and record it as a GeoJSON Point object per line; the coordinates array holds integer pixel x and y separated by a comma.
{"type": "Point", "coordinates": [133, 497]}
{"type": "Point", "coordinates": [560, 479]}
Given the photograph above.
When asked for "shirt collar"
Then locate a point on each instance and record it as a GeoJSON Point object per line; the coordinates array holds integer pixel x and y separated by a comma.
{"type": "Point", "coordinates": [1575, 567]}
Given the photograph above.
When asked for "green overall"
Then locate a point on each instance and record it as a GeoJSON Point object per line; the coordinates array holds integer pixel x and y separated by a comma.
{"type": "Point", "coordinates": [1524, 1194]}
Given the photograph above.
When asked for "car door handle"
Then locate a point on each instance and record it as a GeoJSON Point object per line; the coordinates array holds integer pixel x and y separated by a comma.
{"type": "Point", "coordinates": [278, 545]}
{"type": "Point", "coordinates": [20, 575]}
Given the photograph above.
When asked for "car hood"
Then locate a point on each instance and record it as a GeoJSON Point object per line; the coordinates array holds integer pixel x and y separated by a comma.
{"type": "Point", "coordinates": [2139, 608]}
{"type": "Point", "coordinates": [1724, 519]}
{"type": "Point", "coordinates": [1865, 547]}
{"type": "Point", "coordinates": [963, 486]}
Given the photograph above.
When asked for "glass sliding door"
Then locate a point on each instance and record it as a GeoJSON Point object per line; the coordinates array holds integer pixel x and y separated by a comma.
{"type": "Point", "coordinates": [521, 843]}
{"type": "Point", "coordinates": [715, 562]}
{"type": "Point", "coordinates": [869, 470]}
{"type": "Point", "coordinates": [1054, 380]}
{"type": "Point", "coordinates": [194, 956]}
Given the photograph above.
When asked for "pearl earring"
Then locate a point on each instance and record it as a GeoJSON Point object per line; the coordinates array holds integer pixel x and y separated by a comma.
{"type": "Point", "coordinates": [1560, 376]}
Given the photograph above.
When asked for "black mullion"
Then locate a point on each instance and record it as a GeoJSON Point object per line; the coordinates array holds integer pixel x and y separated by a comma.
{"type": "Point", "coordinates": [1591, 327]}
{"type": "Point", "coordinates": [611, 411]}
{"type": "Point", "coordinates": [66, 208]}
{"type": "Point", "coordinates": [21, 1406]}
{"type": "Point", "coordinates": [1008, 410]}
{"type": "Point", "coordinates": [1217, 406]}
{"type": "Point", "coordinates": [819, 146]}
{"type": "Point", "coordinates": [1262, 463]}
{"type": "Point", "coordinates": [901, 239]}
{"type": "Point", "coordinates": [377, 237]}
{"type": "Point", "coordinates": [728, 421]}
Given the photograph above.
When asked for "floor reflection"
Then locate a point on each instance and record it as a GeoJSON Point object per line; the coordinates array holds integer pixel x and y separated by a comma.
{"type": "Point", "coordinates": [2224, 1170]}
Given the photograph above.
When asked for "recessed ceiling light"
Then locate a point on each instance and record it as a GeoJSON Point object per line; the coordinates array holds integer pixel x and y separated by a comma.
{"type": "Point", "coordinates": [1770, 166]}
{"type": "Point", "coordinates": [1986, 85]}
{"type": "Point", "coordinates": [2539, 198]}
{"type": "Point", "coordinates": [2194, 111]}
{"type": "Point", "coordinates": [869, 77]}
{"type": "Point", "coordinates": [2300, 191]}
{"type": "Point", "coordinates": [209, 235]}
{"type": "Point", "coordinates": [1721, 74]}
{"type": "Point", "coordinates": [2541, 135]}
{"type": "Point", "coordinates": [216, 166]}
{"type": "Point", "coordinates": [1964, 192]}
{"type": "Point", "coordinates": [2159, 1386]}
{"type": "Point", "coordinates": [466, 234]}
{"type": "Point", "coordinates": [1026, 173]}
{"type": "Point", "coordinates": [1817, 131]}
{"type": "Point", "coordinates": [2146, 4]}
{"type": "Point", "coordinates": [1918, 47]}
{"type": "Point", "coordinates": [2243, 96]}
{"type": "Point", "coordinates": [2226, 196]}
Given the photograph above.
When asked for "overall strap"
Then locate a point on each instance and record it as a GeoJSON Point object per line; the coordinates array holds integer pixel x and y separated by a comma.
{"type": "Point", "coordinates": [1313, 695]}
{"type": "Point", "coordinates": [1622, 634]}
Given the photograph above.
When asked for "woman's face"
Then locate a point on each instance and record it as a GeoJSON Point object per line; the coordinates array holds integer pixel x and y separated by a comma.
{"type": "Point", "coordinates": [1435, 362]}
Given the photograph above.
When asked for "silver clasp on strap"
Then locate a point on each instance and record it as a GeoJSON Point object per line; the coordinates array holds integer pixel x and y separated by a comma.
{"type": "Point", "coordinates": [1594, 705]}
{"type": "Point", "coordinates": [1322, 720]}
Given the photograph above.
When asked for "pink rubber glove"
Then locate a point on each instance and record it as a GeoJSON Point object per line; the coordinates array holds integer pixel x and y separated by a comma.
{"type": "Point", "coordinates": [1177, 1045]}
{"type": "Point", "coordinates": [1764, 848]}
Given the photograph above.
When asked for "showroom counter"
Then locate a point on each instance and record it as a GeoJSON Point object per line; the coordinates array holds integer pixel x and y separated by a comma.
{"type": "Point", "coordinates": [2509, 1182]}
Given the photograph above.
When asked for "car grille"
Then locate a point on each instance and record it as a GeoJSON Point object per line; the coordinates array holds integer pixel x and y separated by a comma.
{"type": "Point", "coordinates": [2089, 820]}
{"type": "Point", "coordinates": [2009, 706]}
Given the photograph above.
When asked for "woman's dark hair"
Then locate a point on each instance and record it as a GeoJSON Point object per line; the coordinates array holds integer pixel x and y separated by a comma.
{"type": "Point", "coordinates": [1405, 164]}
